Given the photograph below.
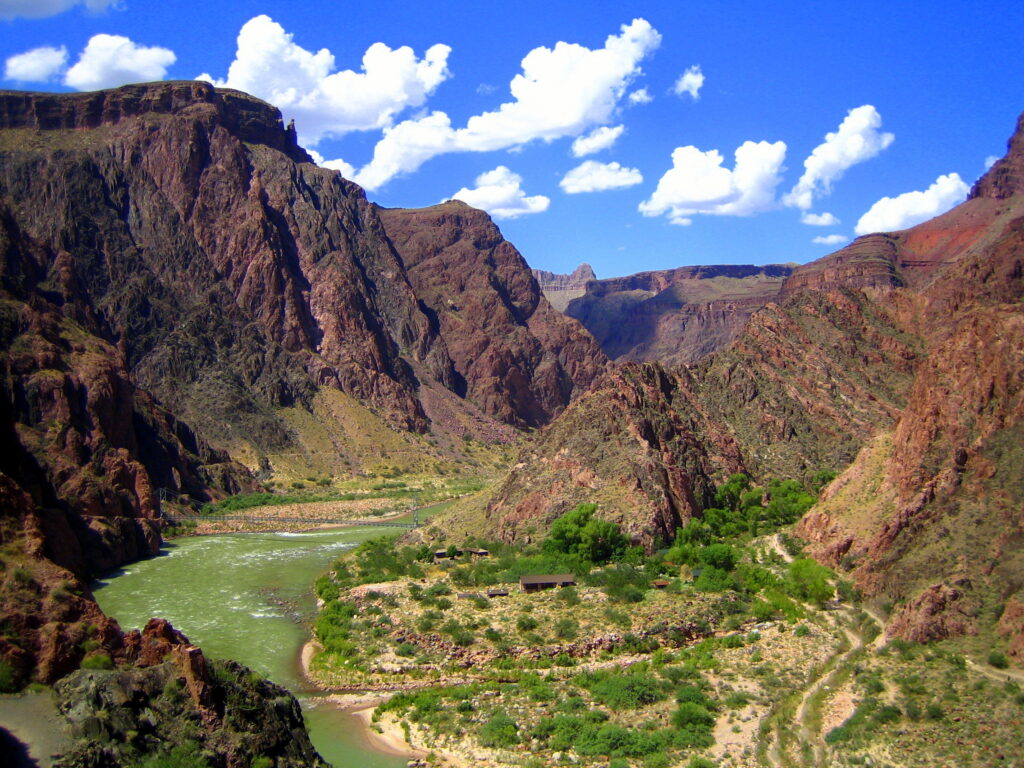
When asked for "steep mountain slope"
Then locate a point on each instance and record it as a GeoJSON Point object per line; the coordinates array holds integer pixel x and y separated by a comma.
{"type": "Point", "coordinates": [897, 358]}
{"type": "Point", "coordinates": [184, 225]}
{"type": "Point", "coordinates": [930, 515]}
{"type": "Point", "coordinates": [676, 316]}
{"type": "Point", "coordinates": [638, 444]}
{"type": "Point", "coordinates": [178, 279]}
{"type": "Point", "coordinates": [514, 356]}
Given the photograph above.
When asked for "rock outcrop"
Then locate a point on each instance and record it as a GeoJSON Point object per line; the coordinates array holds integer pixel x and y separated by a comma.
{"type": "Point", "coordinates": [637, 444]}
{"type": "Point", "coordinates": [119, 717]}
{"type": "Point", "coordinates": [561, 289]}
{"type": "Point", "coordinates": [512, 354]}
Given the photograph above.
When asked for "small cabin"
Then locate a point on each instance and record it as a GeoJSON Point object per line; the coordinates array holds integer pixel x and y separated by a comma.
{"type": "Point", "coordinates": [469, 595]}
{"type": "Point", "coordinates": [497, 593]}
{"type": "Point", "coordinates": [477, 552]}
{"type": "Point", "coordinates": [659, 583]}
{"type": "Point", "coordinates": [547, 581]}
{"type": "Point", "coordinates": [442, 554]}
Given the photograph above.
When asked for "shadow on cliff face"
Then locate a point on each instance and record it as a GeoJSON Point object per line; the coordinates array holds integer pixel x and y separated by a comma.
{"type": "Point", "coordinates": [15, 753]}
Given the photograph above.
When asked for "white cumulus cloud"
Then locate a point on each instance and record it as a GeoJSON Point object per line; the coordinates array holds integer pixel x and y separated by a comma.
{"type": "Point", "coordinates": [561, 91]}
{"type": "Point", "coordinates": [598, 139]}
{"type": "Point", "coordinates": [691, 81]}
{"type": "Point", "coordinates": [500, 193]}
{"type": "Point", "coordinates": [36, 66]}
{"type": "Point", "coordinates": [640, 96]}
{"type": "Point", "coordinates": [345, 169]}
{"type": "Point", "coordinates": [819, 219]}
{"type": "Point", "coordinates": [111, 60]}
{"type": "Point", "coordinates": [698, 184]}
{"type": "Point", "coordinates": [894, 213]}
{"type": "Point", "coordinates": [857, 139]}
{"type": "Point", "coordinates": [592, 176]}
{"type": "Point", "coordinates": [41, 9]}
{"type": "Point", "coordinates": [990, 161]}
{"type": "Point", "coordinates": [323, 102]}
{"type": "Point", "coordinates": [830, 239]}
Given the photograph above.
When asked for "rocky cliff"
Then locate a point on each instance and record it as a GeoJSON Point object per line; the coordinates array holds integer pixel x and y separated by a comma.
{"type": "Point", "coordinates": [512, 354]}
{"type": "Point", "coordinates": [676, 316]}
{"type": "Point", "coordinates": [183, 226]}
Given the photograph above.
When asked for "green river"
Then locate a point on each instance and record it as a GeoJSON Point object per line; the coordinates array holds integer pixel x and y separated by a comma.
{"type": "Point", "coordinates": [248, 597]}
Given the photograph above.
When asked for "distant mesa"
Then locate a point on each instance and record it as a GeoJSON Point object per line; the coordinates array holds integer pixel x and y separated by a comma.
{"type": "Point", "coordinates": [561, 289]}
{"type": "Point", "coordinates": [674, 316]}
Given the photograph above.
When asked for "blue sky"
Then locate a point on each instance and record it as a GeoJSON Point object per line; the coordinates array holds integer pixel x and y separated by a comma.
{"type": "Point", "coordinates": [634, 136]}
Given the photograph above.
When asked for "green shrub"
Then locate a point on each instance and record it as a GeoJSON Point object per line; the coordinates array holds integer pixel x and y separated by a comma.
{"type": "Point", "coordinates": [694, 695]}
{"type": "Point", "coordinates": [98, 661]}
{"type": "Point", "coordinates": [406, 649]}
{"type": "Point", "coordinates": [737, 700]}
{"type": "Point", "coordinates": [579, 533]}
{"type": "Point", "coordinates": [692, 715]}
{"type": "Point", "coordinates": [526, 623]}
{"type": "Point", "coordinates": [8, 677]}
{"type": "Point", "coordinates": [998, 660]}
{"type": "Point", "coordinates": [569, 596]}
{"type": "Point", "coordinates": [619, 690]}
{"type": "Point", "coordinates": [500, 731]}
{"type": "Point", "coordinates": [567, 629]}
{"type": "Point", "coordinates": [807, 580]}
{"type": "Point", "coordinates": [182, 756]}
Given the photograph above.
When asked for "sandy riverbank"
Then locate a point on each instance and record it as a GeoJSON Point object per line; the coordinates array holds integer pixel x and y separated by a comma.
{"type": "Point", "coordinates": [390, 739]}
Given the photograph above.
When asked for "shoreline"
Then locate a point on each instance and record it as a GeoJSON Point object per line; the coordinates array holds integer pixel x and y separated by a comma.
{"type": "Point", "coordinates": [390, 739]}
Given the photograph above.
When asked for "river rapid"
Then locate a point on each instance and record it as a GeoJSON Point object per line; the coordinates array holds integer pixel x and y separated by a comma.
{"type": "Point", "coordinates": [248, 597]}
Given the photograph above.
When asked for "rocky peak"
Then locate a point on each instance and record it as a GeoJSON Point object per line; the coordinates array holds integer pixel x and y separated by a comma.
{"type": "Point", "coordinates": [576, 280]}
{"type": "Point", "coordinates": [1006, 177]}
{"type": "Point", "coordinates": [246, 117]}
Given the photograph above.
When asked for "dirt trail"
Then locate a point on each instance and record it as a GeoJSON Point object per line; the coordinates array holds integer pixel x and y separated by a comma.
{"type": "Point", "coordinates": [832, 669]}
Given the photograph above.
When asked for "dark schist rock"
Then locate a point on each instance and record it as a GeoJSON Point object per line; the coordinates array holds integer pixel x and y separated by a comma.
{"type": "Point", "coordinates": [218, 709]}
{"type": "Point", "coordinates": [182, 224]}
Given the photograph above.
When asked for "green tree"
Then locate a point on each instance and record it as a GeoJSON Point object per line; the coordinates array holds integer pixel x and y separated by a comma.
{"type": "Point", "coordinates": [808, 580]}
{"type": "Point", "coordinates": [579, 533]}
{"type": "Point", "coordinates": [727, 495]}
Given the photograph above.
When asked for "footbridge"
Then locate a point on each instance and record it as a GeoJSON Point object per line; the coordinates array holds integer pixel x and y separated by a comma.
{"type": "Point", "coordinates": [286, 520]}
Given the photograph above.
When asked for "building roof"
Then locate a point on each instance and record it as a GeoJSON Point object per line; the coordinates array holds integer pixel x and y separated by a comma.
{"type": "Point", "coordinates": [548, 578]}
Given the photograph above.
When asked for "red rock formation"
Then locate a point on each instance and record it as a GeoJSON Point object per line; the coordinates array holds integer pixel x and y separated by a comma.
{"type": "Point", "coordinates": [931, 615]}
{"type": "Point", "coordinates": [512, 353]}
{"type": "Point", "coordinates": [637, 444]}
{"type": "Point", "coordinates": [1011, 626]}
{"type": "Point", "coordinates": [951, 479]}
